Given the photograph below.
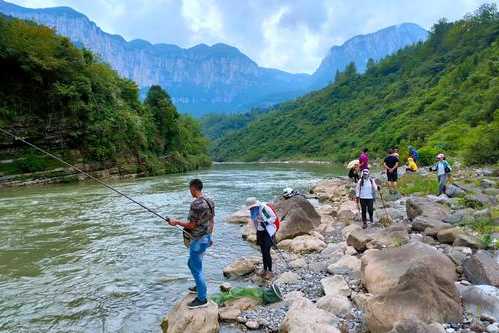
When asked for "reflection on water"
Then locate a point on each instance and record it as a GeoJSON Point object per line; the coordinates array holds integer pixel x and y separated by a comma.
{"type": "Point", "coordinates": [78, 258]}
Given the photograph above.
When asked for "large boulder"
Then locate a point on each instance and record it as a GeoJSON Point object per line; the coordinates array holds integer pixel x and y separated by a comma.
{"type": "Point", "coordinates": [328, 190]}
{"type": "Point", "coordinates": [249, 233]}
{"type": "Point", "coordinates": [242, 216]}
{"type": "Point", "coordinates": [302, 244]}
{"type": "Point", "coordinates": [429, 225]}
{"type": "Point", "coordinates": [298, 216]}
{"type": "Point", "coordinates": [232, 309]}
{"type": "Point", "coordinates": [381, 271]}
{"type": "Point", "coordinates": [420, 206]}
{"type": "Point", "coordinates": [241, 267]}
{"type": "Point", "coordinates": [392, 236]}
{"type": "Point", "coordinates": [348, 212]}
{"type": "Point", "coordinates": [449, 235]}
{"type": "Point", "coordinates": [481, 300]}
{"type": "Point", "coordinates": [305, 317]}
{"type": "Point", "coordinates": [358, 239]}
{"type": "Point", "coordinates": [414, 326]}
{"type": "Point", "coordinates": [414, 281]}
{"type": "Point", "coordinates": [454, 191]}
{"type": "Point", "coordinates": [422, 294]}
{"type": "Point", "coordinates": [482, 268]}
{"type": "Point", "coordinates": [460, 216]}
{"type": "Point", "coordinates": [180, 319]}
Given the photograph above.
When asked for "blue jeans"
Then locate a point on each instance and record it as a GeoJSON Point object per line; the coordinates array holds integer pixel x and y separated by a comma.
{"type": "Point", "coordinates": [442, 183]}
{"type": "Point", "coordinates": [195, 263]}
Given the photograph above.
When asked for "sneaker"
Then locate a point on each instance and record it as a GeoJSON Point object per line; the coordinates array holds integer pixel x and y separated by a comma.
{"type": "Point", "coordinates": [197, 303]}
{"type": "Point", "coordinates": [193, 290]}
{"type": "Point", "coordinates": [364, 225]}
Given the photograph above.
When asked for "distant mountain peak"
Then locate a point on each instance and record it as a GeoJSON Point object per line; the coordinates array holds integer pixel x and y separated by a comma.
{"type": "Point", "coordinates": [361, 48]}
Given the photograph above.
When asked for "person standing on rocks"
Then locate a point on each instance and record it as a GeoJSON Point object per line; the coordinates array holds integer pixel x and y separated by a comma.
{"type": "Point", "coordinates": [264, 218]}
{"type": "Point", "coordinates": [391, 165]}
{"type": "Point", "coordinates": [443, 170]}
{"type": "Point", "coordinates": [365, 193]}
{"type": "Point", "coordinates": [200, 227]}
{"type": "Point", "coordinates": [364, 160]}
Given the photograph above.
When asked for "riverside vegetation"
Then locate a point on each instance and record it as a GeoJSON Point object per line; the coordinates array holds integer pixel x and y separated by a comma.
{"type": "Point", "coordinates": [68, 101]}
{"type": "Point", "coordinates": [439, 95]}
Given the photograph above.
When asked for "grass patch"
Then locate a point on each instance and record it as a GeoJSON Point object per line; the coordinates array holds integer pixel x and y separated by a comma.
{"type": "Point", "coordinates": [485, 228]}
{"type": "Point", "coordinates": [410, 184]}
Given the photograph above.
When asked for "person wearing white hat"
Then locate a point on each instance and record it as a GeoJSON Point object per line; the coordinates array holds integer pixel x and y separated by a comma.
{"type": "Point", "coordinates": [443, 170]}
{"type": "Point", "coordinates": [264, 219]}
{"type": "Point", "coordinates": [365, 193]}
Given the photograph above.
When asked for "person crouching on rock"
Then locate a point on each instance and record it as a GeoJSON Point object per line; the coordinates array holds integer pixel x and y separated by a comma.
{"type": "Point", "coordinates": [200, 227]}
{"type": "Point", "coordinates": [264, 219]}
{"type": "Point", "coordinates": [365, 195]}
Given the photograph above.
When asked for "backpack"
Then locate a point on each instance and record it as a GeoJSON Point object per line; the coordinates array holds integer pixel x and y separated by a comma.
{"type": "Point", "coordinates": [277, 222]}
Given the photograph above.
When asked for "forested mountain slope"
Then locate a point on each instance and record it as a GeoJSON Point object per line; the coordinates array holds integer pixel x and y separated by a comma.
{"type": "Point", "coordinates": [442, 94]}
{"type": "Point", "coordinates": [66, 100]}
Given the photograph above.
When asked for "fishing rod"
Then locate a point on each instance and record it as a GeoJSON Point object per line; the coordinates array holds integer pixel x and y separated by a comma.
{"type": "Point", "coordinates": [165, 218]}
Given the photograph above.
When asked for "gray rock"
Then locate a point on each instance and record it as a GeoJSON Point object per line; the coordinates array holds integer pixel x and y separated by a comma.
{"type": "Point", "coordinates": [415, 326]}
{"type": "Point", "coordinates": [478, 200]}
{"type": "Point", "coordinates": [481, 299]}
{"type": "Point", "coordinates": [487, 183]}
{"type": "Point", "coordinates": [468, 240]}
{"type": "Point", "coordinates": [483, 214]}
{"type": "Point", "coordinates": [454, 191]}
{"type": "Point", "coordinates": [420, 206]}
{"type": "Point", "coordinates": [493, 328]}
{"type": "Point", "coordinates": [460, 216]}
{"type": "Point", "coordinates": [421, 223]}
{"type": "Point", "coordinates": [482, 268]}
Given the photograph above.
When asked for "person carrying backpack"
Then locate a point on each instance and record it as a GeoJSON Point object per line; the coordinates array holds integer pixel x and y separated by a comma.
{"type": "Point", "coordinates": [365, 193]}
{"type": "Point", "coordinates": [443, 170]}
{"type": "Point", "coordinates": [266, 223]}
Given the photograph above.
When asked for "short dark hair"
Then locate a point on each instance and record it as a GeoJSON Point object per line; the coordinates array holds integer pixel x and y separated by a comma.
{"type": "Point", "coordinates": [365, 150]}
{"type": "Point", "coordinates": [197, 184]}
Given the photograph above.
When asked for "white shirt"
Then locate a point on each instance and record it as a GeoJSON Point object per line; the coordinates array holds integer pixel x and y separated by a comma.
{"type": "Point", "coordinates": [368, 190]}
{"type": "Point", "coordinates": [266, 217]}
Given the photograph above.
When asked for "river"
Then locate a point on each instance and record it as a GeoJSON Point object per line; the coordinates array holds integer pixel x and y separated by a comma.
{"type": "Point", "coordinates": [79, 258]}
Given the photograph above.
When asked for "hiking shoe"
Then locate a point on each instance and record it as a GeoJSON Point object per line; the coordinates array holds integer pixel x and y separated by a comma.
{"type": "Point", "coordinates": [193, 290]}
{"type": "Point", "coordinates": [364, 225]}
{"type": "Point", "coordinates": [268, 275]}
{"type": "Point", "coordinates": [197, 303]}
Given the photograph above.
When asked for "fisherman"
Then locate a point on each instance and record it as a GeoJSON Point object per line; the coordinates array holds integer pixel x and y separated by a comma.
{"type": "Point", "coordinates": [411, 165]}
{"type": "Point", "coordinates": [365, 193]}
{"type": "Point", "coordinates": [199, 238]}
{"type": "Point", "coordinates": [364, 160]}
{"type": "Point", "coordinates": [391, 164]}
{"type": "Point", "coordinates": [443, 170]}
{"type": "Point", "coordinates": [264, 218]}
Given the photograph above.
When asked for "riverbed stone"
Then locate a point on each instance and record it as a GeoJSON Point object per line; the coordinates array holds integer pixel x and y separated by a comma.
{"type": "Point", "coordinates": [232, 309]}
{"type": "Point", "coordinates": [482, 268]}
{"type": "Point", "coordinates": [467, 240]}
{"type": "Point", "coordinates": [337, 305]}
{"type": "Point", "coordinates": [335, 286]}
{"type": "Point", "coordinates": [241, 267]}
{"type": "Point", "coordinates": [302, 244]}
{"type": "Point", "coordinates": [481, 300]}
{"type": "Point", "coordinates": [428, 209]}
{"type": "Point", "coordinates": [305, 317]}
{"type": "Point", "coordinates": [449, 235]}
{"type": "Point", "coordinates": [298, 217]}
{"type": "Point", "coordinates": [415, 326]}
{"type": "Point", "coordinates": [248, 233]}
{"type": "Point", "coordinates": [347, 265]}
{"type": "Point", "coordinates": [359, 238]}
{"type": "Point", "coordinates": [242, 216]}
{"type": "Point", "coordinates": [287, 277]}
{"type": "Point", "coordinates": [180, 319]}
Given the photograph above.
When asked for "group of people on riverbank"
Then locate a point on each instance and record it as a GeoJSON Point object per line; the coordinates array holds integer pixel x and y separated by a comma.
{"type": "Point", "coordinates": [199, 226]}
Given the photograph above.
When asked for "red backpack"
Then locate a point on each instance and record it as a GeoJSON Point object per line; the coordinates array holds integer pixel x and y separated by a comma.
{"type": "Point", "coordinates": [277, 222]}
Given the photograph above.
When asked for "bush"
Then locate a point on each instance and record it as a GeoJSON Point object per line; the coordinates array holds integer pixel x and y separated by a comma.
{"type": "Point", "coordinates": [483, 146]}
{"type": "Point", "coordinates": [427, 155]}
{"type": "Point", "coordinates": [32, 162]}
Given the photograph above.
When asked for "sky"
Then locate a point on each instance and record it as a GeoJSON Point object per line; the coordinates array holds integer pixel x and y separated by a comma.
{"type": "Point", "coordinates": [291, 35]}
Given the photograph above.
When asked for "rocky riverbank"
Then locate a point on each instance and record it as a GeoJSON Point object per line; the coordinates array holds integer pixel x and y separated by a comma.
{"type": "Point", "coordinates": [431, 270]}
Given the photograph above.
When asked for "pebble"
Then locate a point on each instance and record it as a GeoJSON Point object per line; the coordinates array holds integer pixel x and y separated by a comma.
{"type": "Point", "coordinates": [252, 324]}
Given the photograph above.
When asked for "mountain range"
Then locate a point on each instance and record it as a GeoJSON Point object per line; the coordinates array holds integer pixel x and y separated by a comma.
{"type": "Point", "coordinates": [218, 78]}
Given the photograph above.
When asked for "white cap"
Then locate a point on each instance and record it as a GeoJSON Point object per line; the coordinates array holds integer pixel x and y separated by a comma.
{"type": "Point", "coordinates": [287, 192]}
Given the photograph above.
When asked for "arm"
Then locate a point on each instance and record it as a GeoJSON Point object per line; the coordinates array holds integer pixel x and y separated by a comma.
{"type": "Point", "coordinates": [184, 224]}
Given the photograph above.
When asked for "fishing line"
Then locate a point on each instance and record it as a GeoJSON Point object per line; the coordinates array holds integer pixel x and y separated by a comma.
{"type": "Point", "coordinates": [165, 218]}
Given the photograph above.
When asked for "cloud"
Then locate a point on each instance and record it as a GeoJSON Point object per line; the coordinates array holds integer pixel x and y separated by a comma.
{"type": "Point", "coordinates": [292, 35]}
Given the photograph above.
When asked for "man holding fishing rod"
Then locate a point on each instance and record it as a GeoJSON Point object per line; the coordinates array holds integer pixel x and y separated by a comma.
{"type": "Point", "coordinates": [197, 237]}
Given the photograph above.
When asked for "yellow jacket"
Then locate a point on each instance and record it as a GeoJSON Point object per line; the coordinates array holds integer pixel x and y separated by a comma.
{"type": "Point", "coordinates": [411, 164]}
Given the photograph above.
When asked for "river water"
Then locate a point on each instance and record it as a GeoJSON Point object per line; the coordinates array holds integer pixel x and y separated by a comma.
{"type": "Point", "coordinates": [78, 258]}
